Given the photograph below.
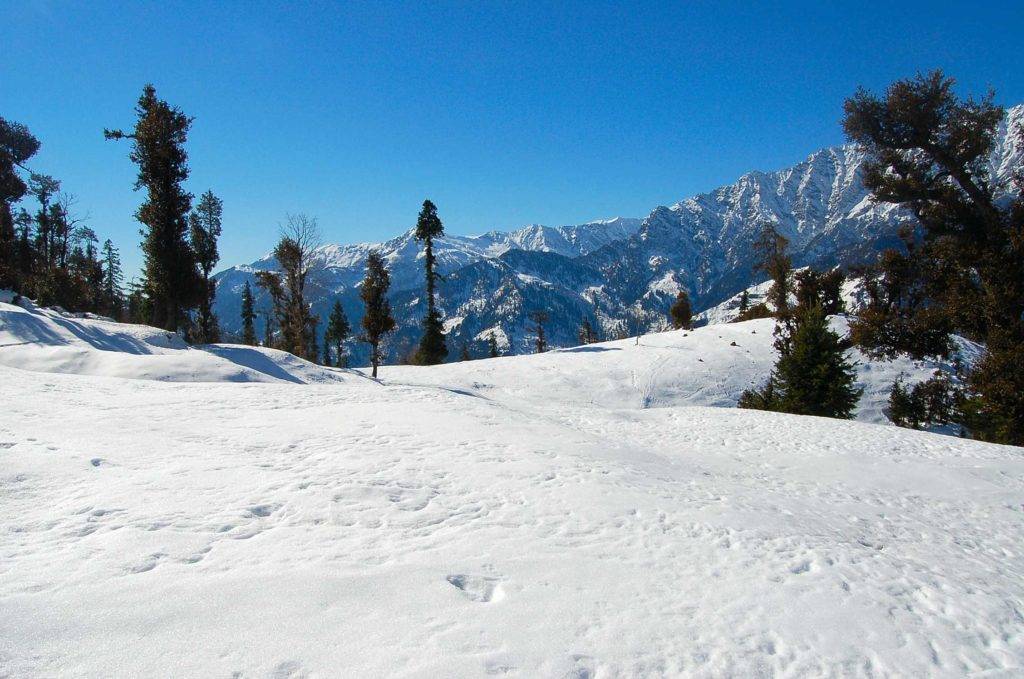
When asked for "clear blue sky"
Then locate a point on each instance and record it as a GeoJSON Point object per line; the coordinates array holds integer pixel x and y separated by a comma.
{"type": "Point", "coordinates": [502, 113]}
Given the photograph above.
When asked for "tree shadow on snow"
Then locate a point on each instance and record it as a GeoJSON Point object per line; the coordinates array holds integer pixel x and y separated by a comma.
{"type": "Point", "coordinates": [247, 357]}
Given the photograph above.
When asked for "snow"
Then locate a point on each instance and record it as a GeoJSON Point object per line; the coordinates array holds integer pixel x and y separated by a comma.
{"type": "Point", "coordinates": [561, 515]}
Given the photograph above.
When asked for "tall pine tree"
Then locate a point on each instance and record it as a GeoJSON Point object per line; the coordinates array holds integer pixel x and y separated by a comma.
{"type": "Point", "coordinates": [248, 317]}
{"type": "Point", "coordinates": [171, 278]}
{"type": "Point", "coordinates": [492, 345]}
{"type": "Point", "coordinates": [336, 333]}
{"type": "Point", "coordinates": [432, 349]}
{"type": "Point", "coordinates": [205, 228]}
{"type": "Point", "coordinates": [681, 312]}
{"type": "Point", "coordinates": [377, 320]}
{"type": "Point", "coordinates": [17, 145]}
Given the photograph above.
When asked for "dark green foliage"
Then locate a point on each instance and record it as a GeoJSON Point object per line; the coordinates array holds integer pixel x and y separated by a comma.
{"type": "Point", "coordinates": [928, 151]}
{"type": "Point", "coordinates": [820, 288]}
{"type": "Point", "coordinates": [205, 227]}
{"type": "Point", "coordinates": [17, 145]}
{"type": "Point", "coordinates": [587, 335]}
{"type": "Point", "coordinates": [681, 312]}
{"type": "Point", "coordinates": [171, 278]}
{"type": "Point", "coordinates": [759, 310]}
{"type": "Point", "coordinates": [540, 318]}
{"type": "Point", "coordinates": [464, 353]}
{"type": "Point", "coordinates": [812, 375]}
{"type": "Point", "coordinates": [935, 401]}
{"type": "Point", "coordinates": [113, 298]}
{"type": "Point", "coordinates": [492, 345]}
{"type": "Point", "coordinates": [773, 261]}
{"type": "Point", "coordinates": [377, 320]}
{"type": "Point", "coordinates": [744, 302]}
{"type": "Point", "coordinates": [248, 317]}
{"type": "Point", "coordinates": [294, 253]}
{"type": "Point", "coordinates": [432, 349]}
{"type": "Point", "coordinates": [336, 333]}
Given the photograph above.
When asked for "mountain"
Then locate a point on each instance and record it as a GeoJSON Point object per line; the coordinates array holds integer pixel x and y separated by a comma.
{"type": "Point", "coordinates": [622, 274]}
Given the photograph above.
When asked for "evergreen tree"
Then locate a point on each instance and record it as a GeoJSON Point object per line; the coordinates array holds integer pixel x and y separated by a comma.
{"type": "Point", "coordinates": [171, 279]}
{"type": "Point", "coordinates": [432, 349]}
{"type": "Point", "coordinates": [112, 278]}
{"type": "Point", "coordinates": [492, 345]}
{"type": "Point", "coordinates": [812, 375]}
{"type": "Point", "coordinates": [540, 318]}
{"type": "Point", "coordinates": [586, 333]}
{"type": "Point", "coordinates": [824, 289]}
{"type": "Point", "coordinates": [464, 353]}
{"type": "Point", "coordinates": [337, 332]}
{"type": "Point", "coordinates": [682, 314]}
{"type": "Point", "coordinates": [17, 145]}
{"type": "Point", "coordinates": [377, 320]}
{"type": "Point", "coordinates": [295, 255]}
{"type": "Point", "coordinates": [744, 302]}
{"type": "Point", "coordinates": [248, 317]}
{"type": "Point", "coordinates": [773, 261]}
{"type": "Point", "coordinates": [205, 227]}
{"type": "Point", "coordinates": [928, 150]}
{"type": "Point", "coordinates": [268, 329]}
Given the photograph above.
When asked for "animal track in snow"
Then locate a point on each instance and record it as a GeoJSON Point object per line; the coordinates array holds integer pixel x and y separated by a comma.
{"type": "Point", "coordinates": [480, 588]}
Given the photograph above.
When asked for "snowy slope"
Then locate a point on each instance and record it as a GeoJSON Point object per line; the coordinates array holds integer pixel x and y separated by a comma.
{"type": "Point", "coordinates": [546, 516]}
{"type": "Point", "coordinates": [47, 340]}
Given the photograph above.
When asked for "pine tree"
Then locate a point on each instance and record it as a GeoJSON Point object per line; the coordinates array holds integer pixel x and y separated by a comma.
{"type": "Point", "coordinates": [205, 228]}
{"type": "Point", "coordinates": [172, 280]}
{"type": "Point", "coordinates": [337, 332]}
{"type": "Point", "coordinates": [300, 238]}
{"type": "Point", "coordinates": [464, 353]}
{"type": "Point", "coordinates": [540, 318]}
{"type": "Point", "coordinates": [377, 320]}
{"type": "Point", "coordinates": [492, 345]}
{"type": "Point", "coordinates": [248, 317]}
{"type": "Point", "coordinates": [432, 349]}
{"type": "Point", "coordinates": [586, 334]}
{"type": "Point", "coordinates": [744, 302]}
{"type": "Point", "coordinates": [17, 145]}
{"type": "Point", "coordinates": [928, 150]}
{"type": "Point", "coordinates": [773, 261]}
{"type": "Point", "coordinates": [682, 314]}
{"type": "Point", "coordinates": [112, 278]}
{"type": "Point", "coordinates": [812, 375]}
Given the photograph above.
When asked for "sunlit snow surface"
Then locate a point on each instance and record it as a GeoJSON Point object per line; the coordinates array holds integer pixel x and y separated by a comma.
{"type": "Point", "coordinates": [564, 515]}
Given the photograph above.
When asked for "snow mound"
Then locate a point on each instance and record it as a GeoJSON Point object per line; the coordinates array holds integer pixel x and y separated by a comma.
{"type": "Point", "coordinates": [53, 341]}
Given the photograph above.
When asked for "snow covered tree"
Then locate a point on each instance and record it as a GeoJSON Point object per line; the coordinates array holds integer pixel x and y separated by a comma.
{"type": "Point", "coordinates": [337, 332]}
{"type": "Point", "coordinates": [812, 375]}
{"type": "Point", "coordinates": [539, 318]}
{"type": "Point", "coordinates": [432, 349]}
{"type": "Point", "coordinates": [377, 320]}
{"type": "Point", "coordinates": [205, 228]}
{"type": "Point", "coordinates": [171, 278]}
{"type": "Point", "coordinates": [248, 317]}
{"type": "Point", "coordinates": [681, 312]}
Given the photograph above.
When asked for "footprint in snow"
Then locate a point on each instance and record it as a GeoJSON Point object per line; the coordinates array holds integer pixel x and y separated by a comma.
{"type": "Point", "coordinates": [480, 588]}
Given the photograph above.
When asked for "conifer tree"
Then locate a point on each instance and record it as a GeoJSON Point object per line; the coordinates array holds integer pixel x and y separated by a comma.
{"type": "Point", "coordinates": [744, 302]}
{"type": "Point", "coordinates": [773, 261]}
{"type": "Point", "coordinates": [171, 278]}
{"type": "Point", "coordinates": [540, 318]}
{"type": "Point", "coordinates": [812, 375]}
{"type": "Point", "coordinates": [337, 332]}
{"type": "Point", "coordinates": [464, 353]}
{"type": "Point", "coordinates": [17, 145]}
{"type": "Point", "coordinates": [205, 228]}
{"type": "Point", "coordinates": [300, 238]}
{"type": "Point", "coordinates": [432, 349]}
{"type": "Point", "coordinates": [248, 317]}
{"type": "Point", "coordinates": [682, 314]}
{"type": "Point", "coordinates": [928, 150]}
{"type": "Point", "coordinates": [492, 345]}
{"type": "Point", "coordinates": [112, 278]}
{"type": "Point", "coordinates": [377, 320]}
{"type": "Point", "coordinates": [586, 334]}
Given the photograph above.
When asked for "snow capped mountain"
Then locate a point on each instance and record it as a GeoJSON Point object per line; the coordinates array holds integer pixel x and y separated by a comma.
{"type": "Point", "coordinates": [623, 273]}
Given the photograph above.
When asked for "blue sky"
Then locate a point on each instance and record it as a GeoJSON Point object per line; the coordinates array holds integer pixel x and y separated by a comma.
{"type": "Point", "coordinates": [502, 113]}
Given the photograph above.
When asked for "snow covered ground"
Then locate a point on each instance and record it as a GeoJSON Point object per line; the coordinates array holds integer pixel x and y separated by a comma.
{"type": "Point", "coordinates": [564, 515]}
